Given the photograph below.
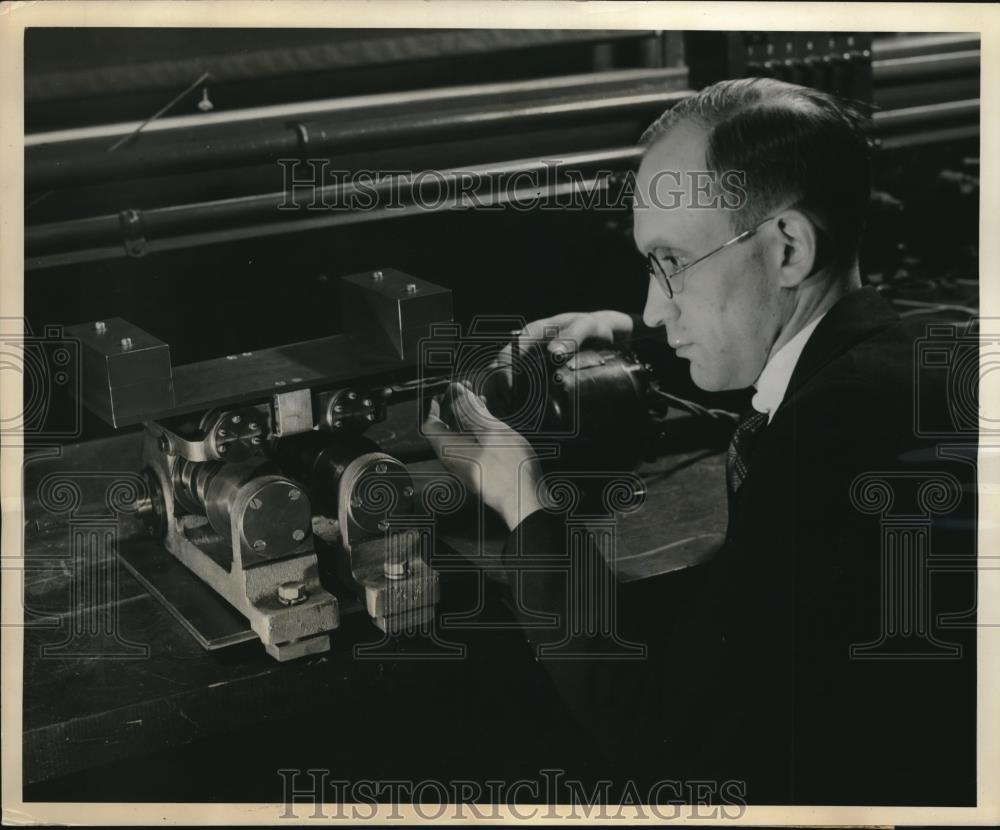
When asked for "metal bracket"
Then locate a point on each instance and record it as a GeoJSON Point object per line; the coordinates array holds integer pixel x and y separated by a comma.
{"type": "Point", "coordinates": [133, 232]}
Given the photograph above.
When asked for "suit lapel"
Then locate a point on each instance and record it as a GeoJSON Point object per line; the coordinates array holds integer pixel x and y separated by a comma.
{"type": "Point", "coordinates": [855, 317]}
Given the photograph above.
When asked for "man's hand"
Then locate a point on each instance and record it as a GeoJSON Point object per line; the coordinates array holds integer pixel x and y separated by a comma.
{"type": "Point", "coordinates": [491, 459]}
{"type": "Point", "coordinates": [566, 334]}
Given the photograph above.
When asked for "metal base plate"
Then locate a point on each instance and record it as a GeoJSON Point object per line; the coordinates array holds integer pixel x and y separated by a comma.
{"type": "Point", "coordinates": [210, 619]}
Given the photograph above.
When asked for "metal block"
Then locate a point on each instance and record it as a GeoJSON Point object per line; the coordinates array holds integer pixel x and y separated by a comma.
{"type": "Point", "coordinates": [124, 370]}
{"type": "Point", "coordinates": [391, 311]}
{"type": "Point", "coordinates": [293, 412]}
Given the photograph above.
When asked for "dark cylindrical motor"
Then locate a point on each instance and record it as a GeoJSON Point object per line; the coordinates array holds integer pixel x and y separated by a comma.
{"type": "Point", "coordinates": [592, 405]}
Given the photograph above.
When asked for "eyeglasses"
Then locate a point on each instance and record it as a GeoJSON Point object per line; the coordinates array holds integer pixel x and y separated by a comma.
{"type": "Point", "coordinates": [663, 279]}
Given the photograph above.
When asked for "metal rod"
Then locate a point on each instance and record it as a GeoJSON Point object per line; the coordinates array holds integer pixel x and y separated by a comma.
{"type": "Point", "coordinates": [204, 216]}
{"type": "Point", "coordinates": [671, 77]}
{"type": "Point", "coordinates": [333, 137]}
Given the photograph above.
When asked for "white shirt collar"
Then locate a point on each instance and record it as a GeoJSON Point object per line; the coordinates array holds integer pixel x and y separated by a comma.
{"type": "Point", "coordinates": [773, 381]}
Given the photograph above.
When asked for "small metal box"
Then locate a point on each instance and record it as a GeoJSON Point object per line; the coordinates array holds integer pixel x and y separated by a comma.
{"type": "Point", "coordinates": [124, 369]}
{"type": "Point", "coordinates": [391, 311]}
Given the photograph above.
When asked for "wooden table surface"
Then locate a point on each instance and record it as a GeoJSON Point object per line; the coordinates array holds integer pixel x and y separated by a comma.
{"type": "Point", "coordinates": [111, 678]}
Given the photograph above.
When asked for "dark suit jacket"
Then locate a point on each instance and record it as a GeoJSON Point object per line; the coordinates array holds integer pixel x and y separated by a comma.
{"type": "Point", "coordinates": [755, 680]}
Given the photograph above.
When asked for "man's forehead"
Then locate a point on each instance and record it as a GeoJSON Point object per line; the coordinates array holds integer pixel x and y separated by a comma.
{"type": "Point", "coordinates": [672, 179]}
{"type": "Point", "coordinates": [681, 148]}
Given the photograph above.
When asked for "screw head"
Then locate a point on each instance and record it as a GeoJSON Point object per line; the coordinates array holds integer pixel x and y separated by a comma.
{"type": "Point", "coordinates": [366, 402]}
{"type": "Point", "coordinates": [222, 432]}
{"type": "Point", "coordinates": [236, 419]}
{"type": "Point", "coordinates": [290, 593]}
{"type": "Point", "coordinates": [377, 276]}
{"type": "Point", "coordinates": [356, 502]}
{"type": "Point", "coordinates": [337, 424]}
{"type": "Point", "coordinates": [253, 426]}
{"type": "Point", "coordinates": [256, 504]}
{"type": "Point", "coordinates": [259, 544]}
{"type": "Point", "coordinates": [298, 534]}
{"type": "Point", "coordinates": [338, 407]}
{"type": "Point", "coordinates": [256, 441]}
{"type": "Point", "coordinates": [126, 343]}
{"type": "Point", "coordinates": [370, 416]}
{"type": "Point", "coordinates": [100, 327]}
{"type": "Point", "coordinates": [383, 524]}
{"type": "Point", "coordinates": [294, 494]}
{"type": "Point", "coordinates": [352, 396]}
{"type": "Point", "coordinates": [407, 491]}
{"type": "Point", "coordinates": [381, 467]}
{"type": "Point", "coordinates": [163, 443]}
{"type": "Point", "coordinates": [222, 449]}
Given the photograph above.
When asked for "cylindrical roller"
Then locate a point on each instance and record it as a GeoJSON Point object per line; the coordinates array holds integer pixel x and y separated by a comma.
{"type": "Point", "coordinates": [273, 514]}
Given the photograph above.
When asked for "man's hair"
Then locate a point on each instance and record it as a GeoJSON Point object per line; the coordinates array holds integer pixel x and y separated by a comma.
{"type": "Point", "coordinates": [794, 145]}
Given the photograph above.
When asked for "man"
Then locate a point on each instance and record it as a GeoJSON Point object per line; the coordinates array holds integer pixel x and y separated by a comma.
{"type": "Point", "coordinates": [765, 677]}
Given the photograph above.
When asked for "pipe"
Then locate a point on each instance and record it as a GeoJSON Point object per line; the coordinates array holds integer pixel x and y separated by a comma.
{"type": "Point", "coordinates": [164, 221]}
{"type": "Point", "coordinates": [320, 140]}
{"type": "Point", "coordinates": [353, 105]}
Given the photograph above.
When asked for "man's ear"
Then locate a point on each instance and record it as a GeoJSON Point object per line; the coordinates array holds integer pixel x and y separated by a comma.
{"type": "Point", "coordinates": [798, 254]}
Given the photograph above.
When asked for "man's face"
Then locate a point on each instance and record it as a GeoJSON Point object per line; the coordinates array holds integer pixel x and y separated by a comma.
{"type": "Point", "coordinates": [726, 315]}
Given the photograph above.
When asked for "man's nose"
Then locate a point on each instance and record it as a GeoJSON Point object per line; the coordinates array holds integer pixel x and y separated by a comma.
{"type": "Point", "coordinates": [659, 310]}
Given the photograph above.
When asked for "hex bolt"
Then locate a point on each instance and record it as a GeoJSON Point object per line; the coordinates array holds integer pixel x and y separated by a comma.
{"type": "Point", "coordinates": [377, 276]}
{"type": "Point", "coordinates": [407, 491]}
{"type": "Point", "coordinates": [259, 544]}
{"type": "Point", "coordinates": [126, 343]}
{"type": "Point", "coordinates": [298, 534]}
{"type": "Point", "coordinates": [381, 467]}
{"type": "Point", "coordinates": [100, 327]}
{"type": "Point", "coordinates": [411, 288]}
{"type": "Point", "coordinates": [256, 504]}
{"type": "Point", "coordinates": [294, 494]}
{"type": "Point", "coordinates": [292, 593]}
{"type": "Point", "coordinates": [236, 419]}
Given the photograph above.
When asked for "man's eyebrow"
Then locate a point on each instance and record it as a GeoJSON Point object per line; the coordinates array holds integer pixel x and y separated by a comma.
{"type": "Point", "coordinates": [661, 244]}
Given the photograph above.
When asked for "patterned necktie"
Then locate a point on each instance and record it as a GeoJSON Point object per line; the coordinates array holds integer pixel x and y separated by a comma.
{"type": "Point", "coordinates": [739, 448]}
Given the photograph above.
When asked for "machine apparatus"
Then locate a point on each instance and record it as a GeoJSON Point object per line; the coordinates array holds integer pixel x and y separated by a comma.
{"type": "Point", "coordinates": [262, 485]}
{"type": "Point", "coordinates": [254, 464]}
